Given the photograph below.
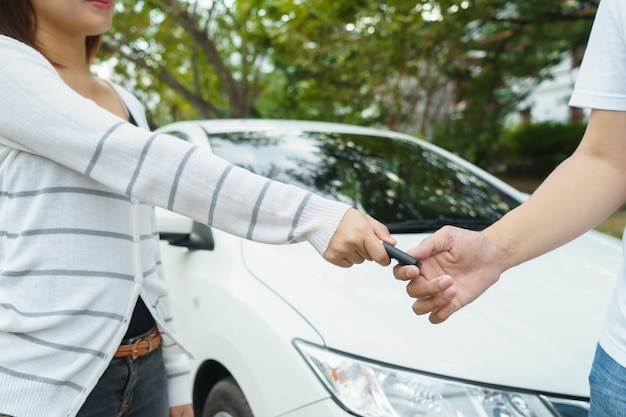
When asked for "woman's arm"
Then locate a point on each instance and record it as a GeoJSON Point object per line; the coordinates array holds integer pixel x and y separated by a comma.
{"type": "Point", "coordinates": [42, 115]}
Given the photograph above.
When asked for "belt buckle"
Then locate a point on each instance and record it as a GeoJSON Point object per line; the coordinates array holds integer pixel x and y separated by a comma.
{"type": "Point", "coordinates": [134, 355]}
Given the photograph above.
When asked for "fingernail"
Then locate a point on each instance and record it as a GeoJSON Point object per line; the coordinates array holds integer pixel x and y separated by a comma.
{"type": "Point", "coordinates": [411, 273]}
{"type": "Point", "coordinates": [445, 281]}
{"type": "Point", "coordinates": [449, 293]}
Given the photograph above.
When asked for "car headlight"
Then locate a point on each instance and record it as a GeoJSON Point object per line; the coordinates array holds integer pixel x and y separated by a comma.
{"type": "Point", "coordinates": [370, 389]}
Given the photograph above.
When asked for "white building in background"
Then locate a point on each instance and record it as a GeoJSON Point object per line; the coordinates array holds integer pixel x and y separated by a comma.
{"type": "Point", "coordinates": [549, 100]}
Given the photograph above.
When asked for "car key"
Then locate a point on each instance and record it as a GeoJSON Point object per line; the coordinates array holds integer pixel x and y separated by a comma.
{"type": "Point", "coordinates": [402, 257]}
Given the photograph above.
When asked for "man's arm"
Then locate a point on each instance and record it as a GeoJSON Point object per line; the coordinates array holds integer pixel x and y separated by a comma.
{"type": "Point", "coordinates": [580, 193]}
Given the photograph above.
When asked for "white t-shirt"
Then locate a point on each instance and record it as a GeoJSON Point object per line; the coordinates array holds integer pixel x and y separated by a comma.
{"type": "Point", "coordinates": [601, 84]}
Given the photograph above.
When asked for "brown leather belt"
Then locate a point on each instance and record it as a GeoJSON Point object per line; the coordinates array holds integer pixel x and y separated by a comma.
{"type": "Point", "coordinates": [140, 347]}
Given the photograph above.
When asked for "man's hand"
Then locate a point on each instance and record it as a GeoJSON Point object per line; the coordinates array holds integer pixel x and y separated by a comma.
{"type": "Point", "coordinates": [457, 267]}
{"type": "Point", "coordinates": [358, 239]}
{"type": "Point", "coordinates": [181, 411]}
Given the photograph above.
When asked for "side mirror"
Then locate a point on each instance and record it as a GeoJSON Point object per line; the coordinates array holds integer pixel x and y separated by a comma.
{"type": "Point", "coordinates": [179, 230]}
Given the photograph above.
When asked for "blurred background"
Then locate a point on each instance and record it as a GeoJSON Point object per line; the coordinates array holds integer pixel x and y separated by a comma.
{"type": "Point", "coordinates": [486, 79]}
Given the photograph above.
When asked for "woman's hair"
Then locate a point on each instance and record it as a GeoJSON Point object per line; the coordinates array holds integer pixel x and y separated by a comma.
{"type": "Point", "coordinates": [18, 21]}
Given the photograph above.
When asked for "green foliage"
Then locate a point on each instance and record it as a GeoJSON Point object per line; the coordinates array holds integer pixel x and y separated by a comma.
{"type": "Point", "coordinates": [191, 59]}
{"type": "Point", "coordinates": [353, 64]}
{"type": "Point", "coordinates": [459, 65]}
{"type": "Point", "coordinates": [472, 141]}
{"type": "Point", "coordinates": [532, 151]}
{"type": "Point", "coordinates": [507, 49]}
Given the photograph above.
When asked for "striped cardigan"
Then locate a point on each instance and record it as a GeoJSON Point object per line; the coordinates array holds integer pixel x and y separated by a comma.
{"type": "Point", "coordinates": [78, 241]}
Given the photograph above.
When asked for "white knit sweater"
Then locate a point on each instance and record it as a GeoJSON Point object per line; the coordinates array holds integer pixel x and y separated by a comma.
{"type": "Point", "coordinates": [78, 241]}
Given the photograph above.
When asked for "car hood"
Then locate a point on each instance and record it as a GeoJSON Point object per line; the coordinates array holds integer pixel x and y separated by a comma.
{"type": "Point", "coordinates": [535, 329]}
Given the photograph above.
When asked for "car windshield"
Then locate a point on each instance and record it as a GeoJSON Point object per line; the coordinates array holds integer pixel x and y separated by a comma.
{"type": "Point", "coordinates": [400, 183]}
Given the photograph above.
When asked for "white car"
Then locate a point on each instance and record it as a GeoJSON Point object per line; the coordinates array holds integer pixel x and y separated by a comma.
{"type": "Point", "coordinates": [278, 331]}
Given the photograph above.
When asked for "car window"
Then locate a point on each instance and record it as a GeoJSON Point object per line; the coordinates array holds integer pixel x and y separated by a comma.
{"type": "Point", "coordinates": [394, 180]}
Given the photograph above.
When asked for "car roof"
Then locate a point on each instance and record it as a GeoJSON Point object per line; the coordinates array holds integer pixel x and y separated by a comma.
{"type": "Point", "coordinates": [235, 125]}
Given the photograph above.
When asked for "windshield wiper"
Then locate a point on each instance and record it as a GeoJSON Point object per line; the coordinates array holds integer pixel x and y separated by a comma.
{"type": "Point", "coordinates": [431, 225]}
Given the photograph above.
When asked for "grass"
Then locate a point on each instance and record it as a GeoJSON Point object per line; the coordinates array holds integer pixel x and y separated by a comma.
{"type": "Point", "coordinates": [613, 226]}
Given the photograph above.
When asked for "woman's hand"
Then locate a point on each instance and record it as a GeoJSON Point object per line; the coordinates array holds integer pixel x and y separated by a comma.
{"type": "Point", "coordinates": [358, 239]}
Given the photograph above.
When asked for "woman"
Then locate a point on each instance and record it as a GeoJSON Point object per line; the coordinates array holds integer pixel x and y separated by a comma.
{"type": "Point", "coordinates": [85, 322]}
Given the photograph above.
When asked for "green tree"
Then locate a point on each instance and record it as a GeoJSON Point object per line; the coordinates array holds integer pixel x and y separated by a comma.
{"type": "Point", "coordinates": [509, 47]}
{"type": "Point", "coordinates": [407, 65]}
{"type": "Point", "coordinates": [350, 61]}
{"type": "Point", "coordinates": [361, 62]}
{"type": "Point", "coordinates": [190, 59]}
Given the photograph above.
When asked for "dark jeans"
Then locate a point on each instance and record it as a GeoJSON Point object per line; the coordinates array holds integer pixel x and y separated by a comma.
{"type": "Point", "coordinates": [130, 388]}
